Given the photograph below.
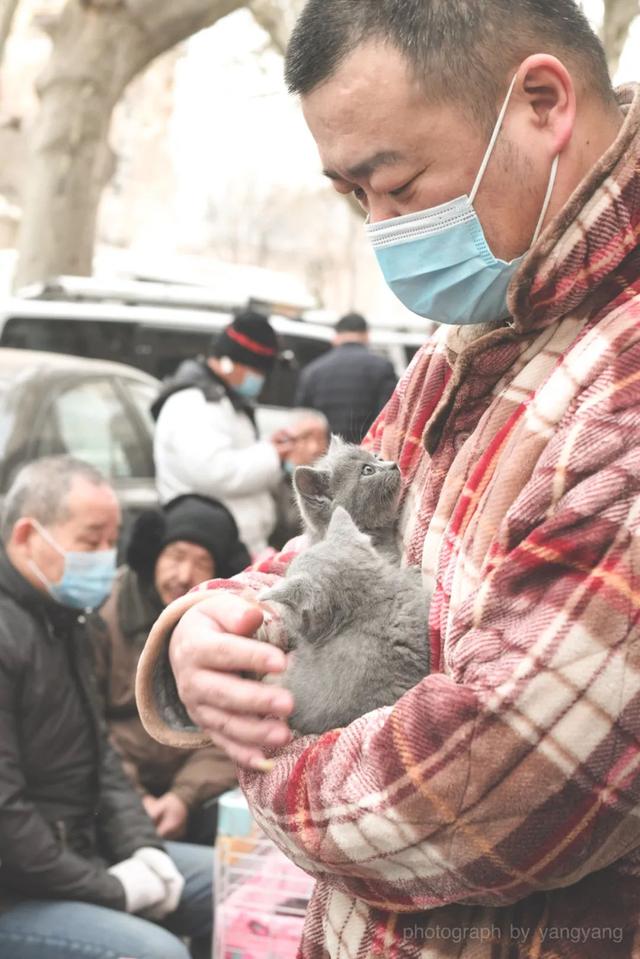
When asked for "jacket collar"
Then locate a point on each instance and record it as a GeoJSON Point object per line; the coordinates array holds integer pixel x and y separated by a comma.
{"type": "Point", "coordinates": [14, 585]}
{"type": "Point", "coordinates": [594, 237]}
{"type": "Point", "coordinates": [197, 373]}
{"type": "Point", "coordinates": [138, 606]}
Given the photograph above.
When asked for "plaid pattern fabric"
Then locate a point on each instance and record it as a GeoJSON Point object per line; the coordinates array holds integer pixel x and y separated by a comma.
{"type": "Point", "coordinates": [494, 811]}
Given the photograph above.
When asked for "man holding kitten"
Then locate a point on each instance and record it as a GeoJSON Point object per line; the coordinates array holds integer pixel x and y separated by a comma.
{"type": "Point", "coordinates": [494, 807]}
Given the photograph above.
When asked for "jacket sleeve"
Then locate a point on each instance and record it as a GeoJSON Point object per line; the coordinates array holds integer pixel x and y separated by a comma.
{"type": "Point", "coordinates": [517, 771]}
{"type": "Point", "coordinates": [202, 455]}
{"type": "Point", "coordinates": [204, 774]}
{"type": "Point", "coordinates": [123, 824]}
{"type": "Point", "coordinates": [386, 386]}
{"type": "Point", "coordinates": [34, 863]}
{"type": "Point", "coordinates": [304, 395]}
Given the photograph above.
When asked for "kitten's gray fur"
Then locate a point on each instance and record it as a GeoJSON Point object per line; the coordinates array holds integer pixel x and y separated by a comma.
{"type": "Point", "coordinates": [357, 622]}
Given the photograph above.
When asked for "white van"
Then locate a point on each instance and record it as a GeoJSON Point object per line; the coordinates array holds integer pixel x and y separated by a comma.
{"type": "Point", "coordinates": [154, 327]}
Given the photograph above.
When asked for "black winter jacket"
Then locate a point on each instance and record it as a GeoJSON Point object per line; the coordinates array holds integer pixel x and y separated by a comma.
{"type": "Point", "coordinates": [67, 810]}
{"type": "Point", "coordinates": [350, 385]}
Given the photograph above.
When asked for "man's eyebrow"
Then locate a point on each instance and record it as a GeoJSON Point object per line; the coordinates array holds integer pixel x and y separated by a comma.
{"type": "Point", "coordinates": [367, 167]}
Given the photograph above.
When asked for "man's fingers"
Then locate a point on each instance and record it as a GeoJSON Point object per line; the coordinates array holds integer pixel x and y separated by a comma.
{"type": "Point", "coordinates": [231, 613]}
{"type": "Point", "coordinates": [215, 685]}
{"type": "Point", "coordinates": [242, 730]}
{"type": "Point", "coordinates": [235, 654]}
{"type": "Point", "coordinates": [227, 693]}
{"type": "Point", "coordinates": [199, 641]}
{"type": "Point", "coordinates": [245, 756]}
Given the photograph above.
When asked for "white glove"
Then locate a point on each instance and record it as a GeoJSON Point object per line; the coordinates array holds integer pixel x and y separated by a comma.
{"type": "Point", "coordinates": [143, 888]}
{"type": "Point", "coordinates": [164, 869]}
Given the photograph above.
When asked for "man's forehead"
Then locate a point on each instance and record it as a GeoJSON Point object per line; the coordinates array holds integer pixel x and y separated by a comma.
{"type": "Point", "coordinates": [91, 504]}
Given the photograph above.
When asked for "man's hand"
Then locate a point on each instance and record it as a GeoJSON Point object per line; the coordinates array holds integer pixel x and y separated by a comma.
{"type": "Point", "coordinates": [169, 814]}
{"type": "Point", "coordinates": [208, 651]}
{"type": "Point", "coordinates": [283, 442]}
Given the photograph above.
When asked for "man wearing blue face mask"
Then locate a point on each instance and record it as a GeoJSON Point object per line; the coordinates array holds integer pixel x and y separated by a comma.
{"type": "Point", "coordinates": [206, 439]}
{"type": "Point", "coordinates": [493, 810]}
{"type": "Point", "coordinates": [81, 866]}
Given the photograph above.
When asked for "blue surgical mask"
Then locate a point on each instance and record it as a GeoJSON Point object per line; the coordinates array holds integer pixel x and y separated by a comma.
{"type": "Point", "coordinates": [251, 386]}
{"type": "Point", "coordinates": [438, 262]}
{"type": "Point", "coordinates": [87, 578]}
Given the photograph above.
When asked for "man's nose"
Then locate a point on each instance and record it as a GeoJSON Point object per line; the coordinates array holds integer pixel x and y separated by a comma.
{"type": "Point", "coordinates": [381, 209]}
{"type": "Point", "coordinates": [185, 573]}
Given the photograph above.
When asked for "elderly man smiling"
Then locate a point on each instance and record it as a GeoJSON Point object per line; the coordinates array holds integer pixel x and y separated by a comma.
{"type": "Point", "coordinates": [494, 810]}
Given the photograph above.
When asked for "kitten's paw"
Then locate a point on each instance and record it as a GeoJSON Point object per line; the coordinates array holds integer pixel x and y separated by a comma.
{"type": "Point", "coordinates": [272, 630]}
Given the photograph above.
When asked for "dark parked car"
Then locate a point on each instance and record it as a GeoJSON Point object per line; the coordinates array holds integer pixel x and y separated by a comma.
{"type": "Point", "coordinates": [92, 409]}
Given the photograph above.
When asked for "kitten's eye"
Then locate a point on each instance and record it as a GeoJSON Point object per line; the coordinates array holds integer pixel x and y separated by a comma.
{"type": "Point", "coordinates": [368, 470]}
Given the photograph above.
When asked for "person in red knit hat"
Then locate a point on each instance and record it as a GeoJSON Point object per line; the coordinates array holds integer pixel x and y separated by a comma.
{"type": "Point", "coordinates": [206, 438]}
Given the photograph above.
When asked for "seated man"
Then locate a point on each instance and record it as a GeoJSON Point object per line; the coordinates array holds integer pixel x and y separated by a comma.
{"type": "Point", "coordinates": [170, 551]}
{"type": "Point", "coordinates": [81, 866]}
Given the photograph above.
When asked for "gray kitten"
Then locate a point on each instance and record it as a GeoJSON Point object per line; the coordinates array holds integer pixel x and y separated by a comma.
{"type": "Point", "coordinates": [367, 487]}
{"type": "Point", "coordinates": [356, 621]}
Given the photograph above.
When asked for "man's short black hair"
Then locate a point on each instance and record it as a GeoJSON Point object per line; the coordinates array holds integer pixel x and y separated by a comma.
{"type": "Point", "coordinates": [463, 50]}
{"type": "Point", "coordinates": [352, 323]}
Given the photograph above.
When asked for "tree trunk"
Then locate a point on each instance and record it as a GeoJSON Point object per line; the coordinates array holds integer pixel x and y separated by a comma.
{"type": "Point", "coordinates": [277, 18]}
{"type": "Point", "coordinates": [7, 11]}
{"type": "Point", "coordinates": [618, 17]}
{"type": "Point", "coordinates": [99, 46]}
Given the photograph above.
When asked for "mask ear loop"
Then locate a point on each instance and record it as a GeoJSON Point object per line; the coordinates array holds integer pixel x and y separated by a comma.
{"type": "Point", "coordinates": [492, 142]}
{"type": "Point", "coordinates": [547, 199]}
{"type": "Point", "coordinates": [48, 538]}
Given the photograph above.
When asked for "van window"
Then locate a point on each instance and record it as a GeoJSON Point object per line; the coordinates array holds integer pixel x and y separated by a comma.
{"type": "Point", "coordinates": [89, 338]}
{"type": "Point", "coordinates": [160, 351]}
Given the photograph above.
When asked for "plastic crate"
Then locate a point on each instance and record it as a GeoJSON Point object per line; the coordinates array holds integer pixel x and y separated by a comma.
{"type": "Point", "coordinates": [260, 900]}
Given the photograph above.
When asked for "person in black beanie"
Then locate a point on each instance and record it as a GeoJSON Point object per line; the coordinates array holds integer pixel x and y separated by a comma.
{"type": "Point", "coordinates": [170, 551]}
{"type": "Point", "coordinates": [206, 438]}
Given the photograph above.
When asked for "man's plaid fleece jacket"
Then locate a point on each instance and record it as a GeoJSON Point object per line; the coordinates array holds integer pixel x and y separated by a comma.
{"type": "Point", "coordinates": [495, 810]}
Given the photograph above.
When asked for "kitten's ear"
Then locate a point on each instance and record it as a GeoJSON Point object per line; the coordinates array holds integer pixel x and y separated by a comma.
{"type": "Point", "coordinates": [312, 484]}
{"type": "Point", "coordinates": [342, 528]}
{"type": "Point", "coordinates": [289, 592]}
{"type": "Point", "coordinates": [336, 444]}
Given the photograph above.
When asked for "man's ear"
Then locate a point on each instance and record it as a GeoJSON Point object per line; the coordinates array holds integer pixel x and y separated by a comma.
{"type": "Point", "coordinates": [549, 90]}
{"type": "Point", "coordinates": [22, 532]}
{"type": "Point", "coordinates": [311, 484]}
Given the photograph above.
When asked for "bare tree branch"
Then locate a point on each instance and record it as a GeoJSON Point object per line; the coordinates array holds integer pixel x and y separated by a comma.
{"type": "Point", "coordinates": [7, 12]}
{"type": "Point", "coordinates": [618, 17]}
{"type": "Point", "coordinates": [277, 18]}
{"type": "Point", "coordinates": [99, 46]}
